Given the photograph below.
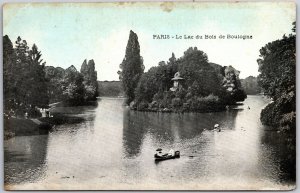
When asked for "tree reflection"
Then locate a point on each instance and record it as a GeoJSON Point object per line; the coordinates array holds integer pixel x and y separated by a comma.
{"type": "Point", "coordinates": [276, 143]}
{"type": "Point", "coordinates": [134, 128]}
{"type": "Point", "coordinates": [168, 128]}
{"type": "Point", "coordinates": [24, 159]}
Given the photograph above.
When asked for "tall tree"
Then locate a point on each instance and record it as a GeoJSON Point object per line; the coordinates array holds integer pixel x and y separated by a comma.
{"type": "Point", "coordinates": [198, 73]}
{"type": "Point", "coordinates": [8, 67]}
{"type": "Point", "coordinates": [132, 67]}
{"type": "Point", "coordinates": [38, 81]}
{"type": "Point", "coordinates": [22, 70]}
{"type": "Point", "coordinates": [73, 89]}
{"type": "Point", "coordinates": [55, 83]}
{"type": "Point", "coordinates": [89, 80]}
{"type": "Point", "coordinates": [25, 83]}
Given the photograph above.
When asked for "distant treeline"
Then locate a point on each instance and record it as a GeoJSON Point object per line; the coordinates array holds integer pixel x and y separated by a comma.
{"type": "Point", "coordinates": [110, 88]}
{"type": "Point", "coordinates": [250, 85]}
{"type": "Point", "coordinates": [205, 86]}
{"type": "Point", "coordinates": [70, 86]}
{"type": "Point", "coordinates": [29, 83]}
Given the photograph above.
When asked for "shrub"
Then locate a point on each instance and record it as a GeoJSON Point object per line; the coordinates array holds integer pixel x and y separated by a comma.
{"type": "Point", "coordinates": [142, 106]}
{"type": "Point", "coordinates": [154, 104]}
{"type": "Point", "coordinates": [181, 93]}
{"type": "Point", "coordinates": [205, 104]}
{"type": "Point", "coordinates": [176, 103]}
{"type": "Point", "coordinates": [34, 113]}
{"type": "Point", "coordinates": [158, 96]}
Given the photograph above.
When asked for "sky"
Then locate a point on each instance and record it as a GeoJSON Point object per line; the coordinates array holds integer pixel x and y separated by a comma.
{"type": "Point", "coordinates": [68, 33]}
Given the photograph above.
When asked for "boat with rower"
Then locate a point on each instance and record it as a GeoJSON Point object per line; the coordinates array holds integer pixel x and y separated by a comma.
{"type": "Point", "coordinates": [160, 156]}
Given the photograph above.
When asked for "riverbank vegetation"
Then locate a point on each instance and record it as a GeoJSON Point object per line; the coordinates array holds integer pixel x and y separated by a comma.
{"type": "Point", "coordinates": [250, 85]}
{"type": "Point", "coordinates": [206, 87]}
{"type": "Point", "coordinates": [30, 85]}
{"type": "Point", "coordinates": [131, 67]}
{"type": "Point", "coordinates": [71, 86]}
{"type": "Point", "coordinates": [277, 67]}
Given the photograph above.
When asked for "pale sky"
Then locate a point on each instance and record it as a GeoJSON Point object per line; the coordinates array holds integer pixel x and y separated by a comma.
{"type": "Point", "coordinates": [66, 33]}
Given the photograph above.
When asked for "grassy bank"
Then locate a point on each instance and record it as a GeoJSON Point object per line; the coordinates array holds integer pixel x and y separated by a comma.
{"type": "Point", "coordinates": [27, 127]}
{"type": "Point", "coordinates": [24, 127]}
{"type": "Point", "coordinates": [59, 119]}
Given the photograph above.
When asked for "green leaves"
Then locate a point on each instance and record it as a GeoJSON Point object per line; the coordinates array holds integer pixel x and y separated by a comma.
{"type": "Point", "coordinates": [24, 75]}
{"type": "Point", "coordinates": [132, 67]}
{"type": "Point", "coordinates": [277, 66]}
{"type": "Point", "coordinates": [201, 79]}
{"type": "Point", "coordinates": [89, 80]}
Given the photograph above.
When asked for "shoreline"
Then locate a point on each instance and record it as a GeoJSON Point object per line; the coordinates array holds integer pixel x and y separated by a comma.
{"type": "Point", "coordinates": [168, 110]}
{"type": "Point", "coordinates": [41, 126]}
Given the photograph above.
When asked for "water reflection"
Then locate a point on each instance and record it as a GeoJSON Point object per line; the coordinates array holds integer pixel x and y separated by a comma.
{"type": "Point", "coordinates": [24, 159]}
{"type": "Point", "coordinates": [114, 147]}
{"type": "Point", "coordinates": [275, 143]}
{"type": "Point", "coordinates": [169, 128]}
{"type": "Point", "coordinates": [134, 128]}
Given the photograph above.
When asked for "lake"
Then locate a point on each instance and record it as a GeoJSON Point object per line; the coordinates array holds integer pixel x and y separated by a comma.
{"type": "Point", "coordinates": [114, 147]}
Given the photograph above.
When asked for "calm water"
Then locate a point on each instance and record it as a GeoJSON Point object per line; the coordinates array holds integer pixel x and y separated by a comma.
{"type": "Point", "coordinates": [114, 147]}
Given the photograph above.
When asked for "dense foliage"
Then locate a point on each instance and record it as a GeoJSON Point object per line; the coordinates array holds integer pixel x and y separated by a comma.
{"type": "Point", "coordinates": [55, 77]}
{"type": "Point", "coordinates": [132, 67]}
{"type": "Point", "coordinates": [89, 80]}
{"type": "Point", "coordinates": [277, 65]}
{"type": "Point", "coordinates": [250, 85]}
{"type": "Point", "coordinates": [25, 85]}
{"type": "Point", "coordinates": [206, 87]}
{"type": "Point", "coordinates": [28, 83]}
{"type": "Point", "coordinates": [73, 87]}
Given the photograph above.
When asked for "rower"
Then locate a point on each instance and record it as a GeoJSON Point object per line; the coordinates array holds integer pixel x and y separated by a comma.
{"type": "Point", "coordinates": [159, 152]}
{"type": "Point", "coordinates": [171, 152]}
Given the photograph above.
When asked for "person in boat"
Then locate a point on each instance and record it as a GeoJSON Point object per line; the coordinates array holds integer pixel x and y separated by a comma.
{"type": "Point", "coordinates": [159, 153]}
{"type": "Point", "coordinates": [216, 126]}
{"type": "Point", "coordinates": [171, 152]}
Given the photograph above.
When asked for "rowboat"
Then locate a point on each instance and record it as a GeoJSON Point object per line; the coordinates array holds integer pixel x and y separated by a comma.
{"type": "Point", "coordinates": [171, 155]}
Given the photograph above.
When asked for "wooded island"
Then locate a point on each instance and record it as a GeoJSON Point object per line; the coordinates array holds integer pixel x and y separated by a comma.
{"type": "Point", "coordinates": [200, 86]}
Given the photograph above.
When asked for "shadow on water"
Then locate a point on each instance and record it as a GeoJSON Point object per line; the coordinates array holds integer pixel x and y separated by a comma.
{"type": "Point", "coordinates": [116, 145]}
{"type": "Point", "coordinates": [134, 128]}
{"type": "Point", "coordinates": [24, 159]}
{"type": "Point", "coordinates": [166, 129]}
{"type": "Point", "coordinates": [276, 144]}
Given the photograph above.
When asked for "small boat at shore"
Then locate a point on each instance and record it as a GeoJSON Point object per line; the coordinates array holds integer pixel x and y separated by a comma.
{"type": "Point", "coordinates": [159, 156]}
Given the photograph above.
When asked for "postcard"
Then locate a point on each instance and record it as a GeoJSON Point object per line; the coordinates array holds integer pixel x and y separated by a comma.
{"type": "Point", "coordinates": [149, 96]}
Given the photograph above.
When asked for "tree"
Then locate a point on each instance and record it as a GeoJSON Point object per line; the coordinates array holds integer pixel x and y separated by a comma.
{"type": "Point", "coordinates": [73, 89]}
{"type": "Point", "coordinates": [277, 67]}
{"type": "Point", "coordinates": [148, 86]}
{"type": "Point", "coordinates": [8, 72]}
{"type": "Point", "coordinates": [55, 83]}
{"type": "Point", "coordinates": [38, 81]}
{"type": "Point", "coordinates": [89, 80]}
{"type": "Point", "coordinates": [206, 86]}
{"type": "Point", "coordinates": [198, 73]}
{"type": "Point", "coordinates": [233, 86]}
{"type": "Point", "coordinates": [27, 81]}
{"type": "Point", "coordinates": [172, 68]}
{"type": "Point", "coordinates": [132, 67]}
{"type": "Point", "coordinates": [22, 70]}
